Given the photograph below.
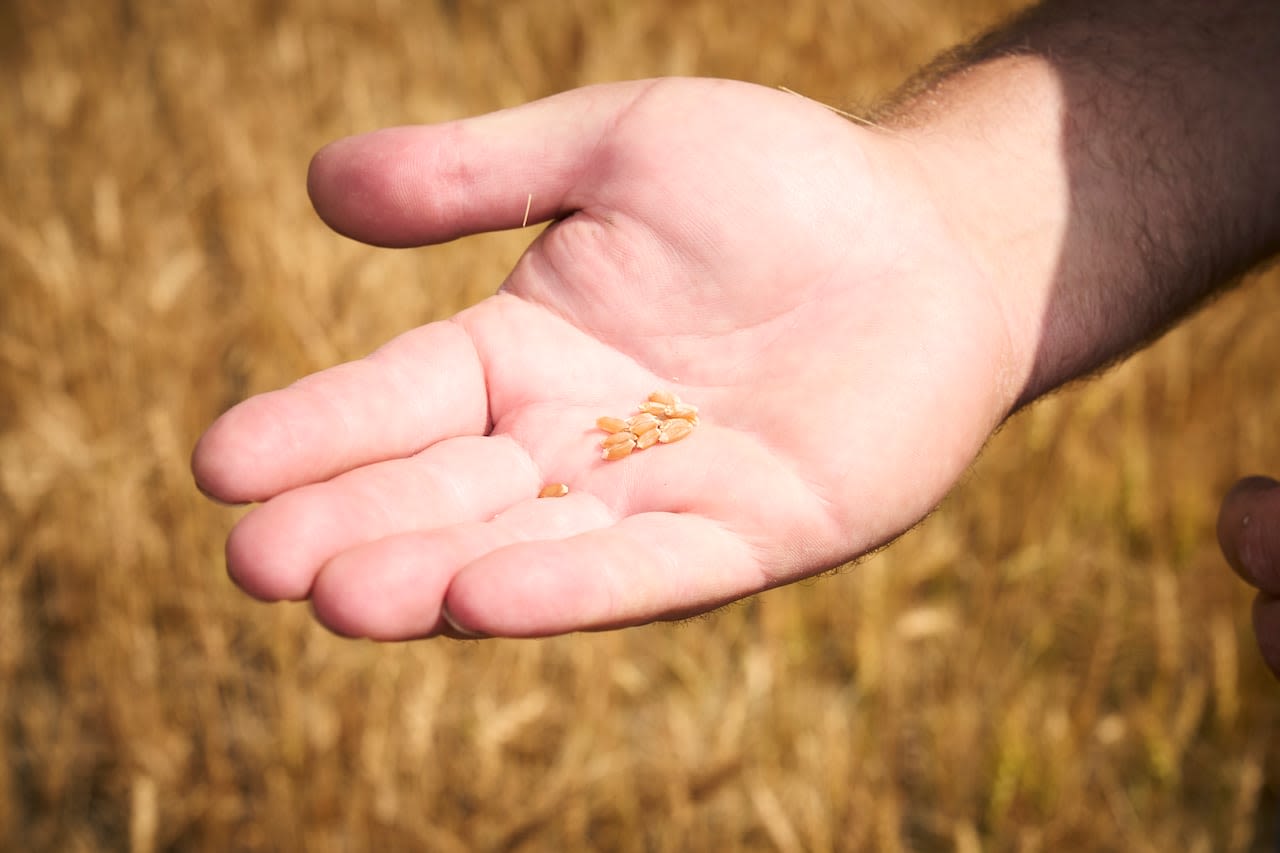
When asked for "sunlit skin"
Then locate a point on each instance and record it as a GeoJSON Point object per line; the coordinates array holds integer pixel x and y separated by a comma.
{"type": "Point", "coordinates": [745, 248]}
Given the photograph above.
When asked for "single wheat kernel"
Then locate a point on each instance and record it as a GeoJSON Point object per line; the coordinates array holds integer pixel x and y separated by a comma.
{"type": "Point", "coordinates": [666, 398]}
{"type": "Point", "coordinates": [674, 430]}
{"type": "Point", "coordinates": [648, 438]}
{"type": "Point", "coordinates": [554, 490]}
{"type": "Point", "coordinates": [618, 438]}
{"type": "Point", "coordinates": [658, 410]}
{"type": "Point", "coordinates": [609, 424]}
{"type": "Point", "coordinates": [642, 423]}
{"type": "Point", "coordinates": [619, 450]}
{"type": "Point", "coordinates": [682, 410]}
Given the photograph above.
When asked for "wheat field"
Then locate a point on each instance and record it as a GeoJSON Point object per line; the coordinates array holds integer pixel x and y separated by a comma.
{"type": "Point", "coordinates": [1058, 659]}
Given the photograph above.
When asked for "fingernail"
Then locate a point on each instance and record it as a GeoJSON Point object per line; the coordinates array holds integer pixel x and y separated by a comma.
{"type": "Point", "coordinates": [452, 622]}
{"type": "Point", "coordinates": [219, 501]}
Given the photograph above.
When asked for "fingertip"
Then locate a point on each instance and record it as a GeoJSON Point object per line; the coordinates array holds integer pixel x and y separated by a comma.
{"type": "Point", "coordinates": [210, 469]}
{"type": "Point", "coordinates": [232, 461]}
{"type": "Point", "coordinates": [396, 187]}
{"type": "Point", "coordinates": [207, 480]}
{"type": "Point", "coordinates": [265, 564]}
{"type": "Point", "coordinates": [337, 604]}
{"type": "Point", "coordinates": [343, 182]}
{"type": "Point", "coordinates": [1248, 531]}
{"type": "Point", "coordinates": [388, 591]}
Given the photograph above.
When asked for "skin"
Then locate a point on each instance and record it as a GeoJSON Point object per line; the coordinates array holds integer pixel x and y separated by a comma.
{"type": "Point", "coordinates": [403, 484]}
{"type": "Point", "coordinates": [854, 311]}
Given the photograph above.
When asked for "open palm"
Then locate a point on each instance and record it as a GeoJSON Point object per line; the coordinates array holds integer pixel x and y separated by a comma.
{"type": "Point", "coordinates": [771, 263]}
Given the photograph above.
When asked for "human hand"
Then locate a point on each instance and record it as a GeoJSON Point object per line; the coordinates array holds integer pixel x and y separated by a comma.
{"type": "Point", "coordinates": [1249, 532]}
{"type": "Point", "coordinates": [784, 270]}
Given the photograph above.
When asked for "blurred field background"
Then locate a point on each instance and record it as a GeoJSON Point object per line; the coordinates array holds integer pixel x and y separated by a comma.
{"type": "Point", "coordinates": [1057, 660]}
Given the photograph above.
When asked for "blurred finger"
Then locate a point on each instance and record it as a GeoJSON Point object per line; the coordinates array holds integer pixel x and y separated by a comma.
{"type": "Point", "coordinates": [1266, 625]}
{"type": "Point", "coordinates": [392, 589]}
{"type": "Point", "coordinates": [408, 186]}
{"type": "Point", "coordinates": [1249, 532]}
{"type": "Point", "coordinates": [646, 567]}
{"type": "Point", "coordinates": [275, 551]}
{"type": "Point", "coordinates": [424, 386]}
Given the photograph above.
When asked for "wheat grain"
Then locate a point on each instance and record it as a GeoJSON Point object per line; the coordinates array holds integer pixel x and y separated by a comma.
{"type": "Point", "coordinates": [684, 411]}
{"type": "Point", "coordinates": [642, 423]}
{"type": "Point", "coordinates": [665, 398]}
{"type": "Point", "coordinates": [609, 424]}
{"type": "Point", "coordinates": [674, 430]}
{"type": "Point", "coordinates": [618, 438]}
{"type": "Point", "coordinates": [648, 438]}
{"type": "Point", "coordinates": [554, 490]}
{"type": "Point", "coordinates": [619, 449]}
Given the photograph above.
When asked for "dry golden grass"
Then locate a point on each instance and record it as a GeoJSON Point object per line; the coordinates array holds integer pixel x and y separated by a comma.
{"type": "Point", "coordinates": [1057, 660]}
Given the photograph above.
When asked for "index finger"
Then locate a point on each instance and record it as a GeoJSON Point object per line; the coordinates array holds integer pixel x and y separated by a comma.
{"type": "Point", "coordinates": [423, 386]}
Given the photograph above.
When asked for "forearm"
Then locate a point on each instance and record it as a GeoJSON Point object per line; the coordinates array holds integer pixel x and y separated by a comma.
{"type": "Point", "coordinates": [1111, 163]}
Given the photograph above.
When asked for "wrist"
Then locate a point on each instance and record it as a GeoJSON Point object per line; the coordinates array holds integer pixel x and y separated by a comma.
{"type": "Point", "coordinates": [987, 151]}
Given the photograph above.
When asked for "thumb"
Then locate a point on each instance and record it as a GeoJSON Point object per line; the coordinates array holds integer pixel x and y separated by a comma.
{"type": "Point", "coordinates": [1249, 532]}
{"type": "Point", "coordinates": [410, 186]}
